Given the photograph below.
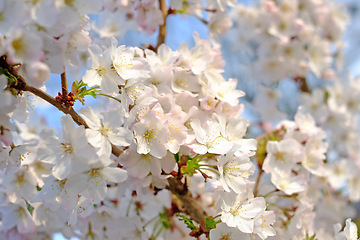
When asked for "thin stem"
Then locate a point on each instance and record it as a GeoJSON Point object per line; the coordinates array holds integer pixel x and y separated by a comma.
{"type": "Point", "coordinates": [269, 193]}
{"type": "Point", "coordinates": [217, 216]}
{"type": "Point", "coordinates": [209, 169]}
{"type": "Point", "coordinates": [209, 165]}
{"type": "Point", "coordinates": [148, 222]}
{"type": "Point", "coordinates": [205, 176]}
{"type": "Point", "coordinates": [203, 20]}
{"type": "Point", "coordinates": [258, 182]}
{"type": "Point", "coordinates": [64, 84]}
{"type": "Point", "coordinates": [158, 233]}
{"type": "Point", "coordinates": [162, 28]}
{"type": "Point", "coordinates": [210, 10]}
{"type": "Point", "coordinates": [129, 206]}
{"type": "Point", "coordinates": [105, 95]}
{"type": "Point", "coordinates": [200, 157]}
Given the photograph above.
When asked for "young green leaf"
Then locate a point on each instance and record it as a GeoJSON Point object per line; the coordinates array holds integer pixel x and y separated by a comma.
{"type": "Point", "coordinates": [189, 223]}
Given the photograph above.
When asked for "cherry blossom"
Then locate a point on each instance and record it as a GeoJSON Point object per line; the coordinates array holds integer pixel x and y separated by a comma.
{"type": "Point", "coordinates": [209, 138]}
{"type": "Point", "coordinates": [106, 131]}
{"type": "Point", "coordinates": [248, 131]}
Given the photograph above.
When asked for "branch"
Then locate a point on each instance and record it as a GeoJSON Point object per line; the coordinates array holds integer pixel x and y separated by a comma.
{"type": "Point", "coordinates": [162, 28]}
{"type": "Point", "coordinates": [192, 207]}
{"type": "Point", "coordinates": [303, 86]}
{"type": "Point", "coordinates": [64, 84]}
{"type": "Point", "coordinates": [76, 117]}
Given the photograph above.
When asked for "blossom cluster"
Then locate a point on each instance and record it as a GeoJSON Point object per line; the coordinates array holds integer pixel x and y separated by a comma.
{"type": "Point", "coordinates": [168, 152]}
{"type": "Point", "coordinates": [172, 102]}
{"type": "Point", "coordinates": [337, 115]}
{"type": "Point", "coordinates": [290, 38]}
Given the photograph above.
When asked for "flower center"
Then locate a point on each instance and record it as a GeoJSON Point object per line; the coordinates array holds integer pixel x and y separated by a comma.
{"type": "Point", "coordinates": [150, 135]}
{"type": "Point", "coordinates": [21, 212]}
{"type": "Point", "coordinates": [280, 157]}
{"type": "Point", "coordinates": [66, 147]}
{"type": "Point", "coordinates": [101, 71]}
{"type": "Point", "coordinates": [225, 236]}
{"type": "Point", "coordinates": [124, 61]}
{"type": "Point", "coordinates": [18, 45]}
{"type": "Point", "coordinates": [69, 2]}
{"type": "Point", "coordinates": [94, 172]}
{"type": "Point", "coordinates": [104, 130]}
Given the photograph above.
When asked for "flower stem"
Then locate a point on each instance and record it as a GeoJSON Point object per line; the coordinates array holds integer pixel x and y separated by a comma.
{"type": "Point", "coordinates": [102, 94]}
{"type": "Point", "coordinates": [258, 182]}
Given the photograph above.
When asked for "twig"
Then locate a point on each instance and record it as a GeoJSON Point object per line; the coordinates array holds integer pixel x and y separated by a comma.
{"type": "Point", "coordinates": [302, 83]}
{"type": "Point", "coordinates": [203, 20]}
{"type": "Point", "coordinates": [64, 84]}
{"type": "Point", "coordinates": [76, 117]}
{"type": "Point", "coordinates": [162, 28]}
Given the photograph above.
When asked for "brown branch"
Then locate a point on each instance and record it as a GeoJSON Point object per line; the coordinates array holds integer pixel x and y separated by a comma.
{"type": "Point", "coordinates": [192, 207]}
{"type": "Point", "coordinates": [162, 28]}
{"type": "Point", "coordinates": [302, 83]}
{"type": "Point", "coordinates": [76, 117]}
{"type": "Point", "coordinates": [64, 84]}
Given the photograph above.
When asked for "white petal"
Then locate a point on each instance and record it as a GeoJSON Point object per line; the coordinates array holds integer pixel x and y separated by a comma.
{"type": "Point", "coordinates": [122, 138]}
{"type": "Point", "coordinates": [246, 225]}
{"type": "Point", "coordinates": [25, 223]}
{"type": "Point", "coordinates": [114, 174]}
{"type": "Point", "coordinates": [108, 85]}
{"type": "Point", "coordinates": [45, 13]}
{"type": "Point", "coordinates": [91, 118]}
{"type": "Point", "coordinates": [255, 206]}
{"type": "Point", "coordinates": [92, 78]}
{"type": "Point", "coordinates": [62, 169]}
{"type": "Point", "coordinates": [94, 137]}
{"type": "Point", "coordinates": [97, 188]}
{"type": "Point", "coordinates": [105, 147]}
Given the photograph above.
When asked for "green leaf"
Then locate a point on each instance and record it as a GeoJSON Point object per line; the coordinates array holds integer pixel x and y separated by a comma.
{"type": "Point", "coordinates": [326, 96]}
{"type": "Point", "coordinates": [191, 166]}
{"type": "Point", "coordinates": [177, 157]}
{"type": "Point", "coordinates": [8, 75]}
{"type": "Point", "coordinates": [189, 223]}
{"type": "Point", "coordinates": [80, 90]}
{"type": "Point", "coordinates": [310, 238]}
{"type": "Point", "coordinates": [164, 219]}
{"type": "Point", "coordinates": [29, 208]}
{"type": "Point", "coordinates": [210, 223]}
